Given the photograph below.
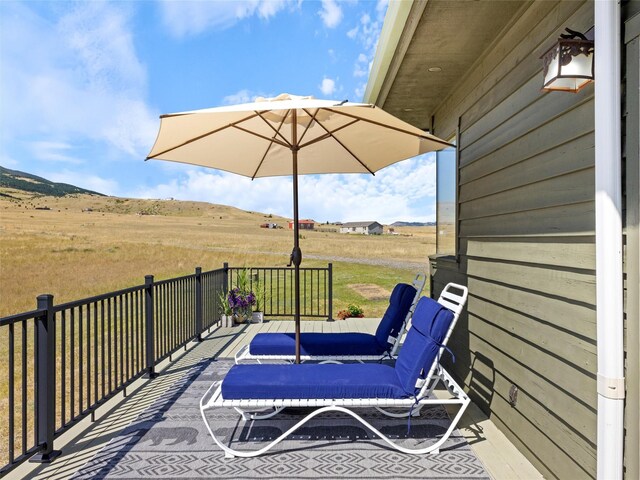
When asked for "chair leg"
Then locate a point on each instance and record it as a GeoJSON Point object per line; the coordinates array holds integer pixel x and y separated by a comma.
{"type": "Point", "coordinates": [256, 416]}
{"type": "Point", "coordinates": [230, 453]}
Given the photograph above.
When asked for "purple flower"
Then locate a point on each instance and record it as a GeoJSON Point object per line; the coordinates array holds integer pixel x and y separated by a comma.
{"type": "Point", "coordinates": [240, 300]}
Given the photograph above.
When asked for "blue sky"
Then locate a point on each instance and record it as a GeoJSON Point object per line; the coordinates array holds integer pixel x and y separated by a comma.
{"type": "Point", "coordinates": [82, 85]}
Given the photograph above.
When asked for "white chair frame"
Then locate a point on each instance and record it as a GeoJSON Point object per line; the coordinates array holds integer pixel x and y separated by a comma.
{"type": "Point", "coordinates": [424, 397]}
{"type": "Point", "coordinates": [340, 405]}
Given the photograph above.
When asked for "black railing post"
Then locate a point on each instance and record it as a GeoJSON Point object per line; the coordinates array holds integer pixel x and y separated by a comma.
{"type": "Point", "coordinates": [225, 277]}
{"type": "Point", "coordinates": [149, 327]}
{"type": "Point", "coordinates": [330, 292]}
{"type": "Point", "coordinates": [45, 382]}
{"type": "Point", "coordinates": [199, 303]}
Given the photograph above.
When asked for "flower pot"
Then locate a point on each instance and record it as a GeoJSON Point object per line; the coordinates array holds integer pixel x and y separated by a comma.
{"type": "Point", "coordinates": [225, 320]}
{"type": "Point", "coordinates": [239, 318]}
{"type": "Point", "coordinates": [257, 317]}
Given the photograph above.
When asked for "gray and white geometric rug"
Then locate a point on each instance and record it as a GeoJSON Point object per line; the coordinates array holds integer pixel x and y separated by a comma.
{"type": "Point", "coordinates": [170, 441]}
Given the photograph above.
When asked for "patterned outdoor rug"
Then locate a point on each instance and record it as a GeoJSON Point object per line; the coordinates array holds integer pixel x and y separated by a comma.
{"type": "Point", "coordinates": [170, 440]}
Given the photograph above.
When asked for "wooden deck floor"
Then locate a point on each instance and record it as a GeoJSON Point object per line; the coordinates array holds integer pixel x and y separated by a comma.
{"type": "Point", "coordinates": [501, 459]}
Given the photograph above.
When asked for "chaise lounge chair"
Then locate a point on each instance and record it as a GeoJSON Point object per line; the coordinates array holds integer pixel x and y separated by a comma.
{"type": "Point", "coordinates": [343, 387]}
{"type": "Point", "coordinates": [343, 346]}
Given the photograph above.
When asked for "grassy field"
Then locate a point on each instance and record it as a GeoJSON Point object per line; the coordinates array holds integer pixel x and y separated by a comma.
{"type": "Point", "coordinates": [87, 245]}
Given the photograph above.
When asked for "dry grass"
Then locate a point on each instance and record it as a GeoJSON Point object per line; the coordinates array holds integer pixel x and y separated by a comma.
{"type": "Point", "coordinates": [74, 254]}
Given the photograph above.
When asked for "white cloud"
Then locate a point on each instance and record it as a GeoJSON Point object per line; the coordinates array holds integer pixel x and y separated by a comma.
{"type": "Point", "coordinates": [77, 79]}
{"type": "Point", "coordinates": [360, 89]}
{"type": "Point", "coordinates": [7, 161]}
{"type": "Point", "coordinates": [89, 182]}
{"type": "Point", "coordinates": [331, 13]}
{"type": "Point", "coordinates": [53, 152]}
{"type": "Point", "coordinates": [328, 86]}
{"type": "Point", "coordinates": [404, 191]}
{"type": "Point", "coordinates": [366, 32]}
{"type": "Point", "coordinates": [271, 195]}
{"type": "Point", "coordinates": [381, 7]}
{"type": "Point", "coordinates": [246, 96]}
{"type": "Point", "coordinates": [359, 71]}
{"type": "Point", "coordinates": [194, 17]}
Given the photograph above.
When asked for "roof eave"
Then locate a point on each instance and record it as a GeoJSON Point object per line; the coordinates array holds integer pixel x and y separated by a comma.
{"type": "Point", "coordinates": [399, 25]}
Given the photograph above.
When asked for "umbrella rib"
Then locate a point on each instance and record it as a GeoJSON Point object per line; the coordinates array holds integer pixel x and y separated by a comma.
{"type": "Point", "coordinates": [389, 127]}
{"type": "Point", "coordinates": [328, 135]}
{"type": "Point", "coordinates": [277, 130]}
{"type": "Point", "coordinates": [264, 137]}
{"type": "Point", "coordinates": [345, 147]}
{"type": "Point", "coordinates": [311, 120]}
{"type": "Point", "coordinates": [199, 137]}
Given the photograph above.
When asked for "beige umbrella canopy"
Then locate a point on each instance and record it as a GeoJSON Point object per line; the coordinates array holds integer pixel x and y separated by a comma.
{"type": "Point", "coordinates": [291, 135]}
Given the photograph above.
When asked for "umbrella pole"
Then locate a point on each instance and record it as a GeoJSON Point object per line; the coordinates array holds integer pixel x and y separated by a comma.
{"type": "Point", "coordinates": [296, 255]}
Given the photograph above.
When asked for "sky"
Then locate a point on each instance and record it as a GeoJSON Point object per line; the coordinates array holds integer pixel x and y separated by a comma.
{"type": "Point", "coordinates": [82, 86]}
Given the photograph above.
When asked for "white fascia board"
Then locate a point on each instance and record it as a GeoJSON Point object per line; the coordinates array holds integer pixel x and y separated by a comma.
{"type": "Point", "coordinates": [394, 21]}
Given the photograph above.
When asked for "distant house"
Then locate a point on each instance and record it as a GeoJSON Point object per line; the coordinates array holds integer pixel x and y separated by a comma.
{"type": "Point", "coordinates": [362, 228]}
{"type": "Point", "coordinates": [303, 224]}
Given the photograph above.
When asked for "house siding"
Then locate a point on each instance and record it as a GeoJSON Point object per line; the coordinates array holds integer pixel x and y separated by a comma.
{"type": "Point", "coordinates": [372, 229]}
{"type": "Point", "coordinates": [527, 245]}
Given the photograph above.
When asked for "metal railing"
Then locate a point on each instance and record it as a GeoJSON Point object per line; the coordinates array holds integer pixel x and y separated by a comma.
{"type": "Point", "coordinates": [61, 362]}
{"type": "Point", "coordinates": [276, 288]}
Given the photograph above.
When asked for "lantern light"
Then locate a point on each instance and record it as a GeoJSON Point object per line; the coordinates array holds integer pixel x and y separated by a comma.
{"type": "Point", "coordinates": [568, 65]}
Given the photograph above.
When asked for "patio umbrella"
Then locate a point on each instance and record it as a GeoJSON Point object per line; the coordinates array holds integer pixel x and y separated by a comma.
{"type": "Point", "coordinates": [291, 135]}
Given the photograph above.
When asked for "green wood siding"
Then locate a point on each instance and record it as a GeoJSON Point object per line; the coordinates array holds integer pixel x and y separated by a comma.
{"type": "Point", "coordinates": [527, 253]}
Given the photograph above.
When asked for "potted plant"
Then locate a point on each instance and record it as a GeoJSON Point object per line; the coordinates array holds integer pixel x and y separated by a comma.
{"type": "Point", "coordinates": [225, 309]}
{"type": "Point", "coordinates": [258, 310]}
{"type": "Point", "coordinates": [241, 298]}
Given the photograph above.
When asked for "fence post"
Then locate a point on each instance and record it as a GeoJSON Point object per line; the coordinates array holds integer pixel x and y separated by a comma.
{"type": "Point", "coordinates": [45, 381]}
{"type": "Point", "coordinates": [199, 303]}
{"type": "Point", "coordinates": [225, 277]}
{"type": "Point", "coordinates": [149, 327]}
{"type": "Point", "coordinates": [330, 288]}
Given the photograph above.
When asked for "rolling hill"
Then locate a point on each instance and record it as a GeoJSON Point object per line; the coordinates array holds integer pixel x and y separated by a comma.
{"type": "Point", "coordinates": [26, 182]}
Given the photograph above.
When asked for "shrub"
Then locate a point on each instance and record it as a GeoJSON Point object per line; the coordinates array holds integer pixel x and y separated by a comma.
{"type": "Point", "coordinates": [351, 311]}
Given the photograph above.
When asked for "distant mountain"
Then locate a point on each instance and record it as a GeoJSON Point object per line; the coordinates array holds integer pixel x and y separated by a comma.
{"type": "Point", "coordinates": [413, 224]}
{"type": "Point", "coordinates": [37, 185]}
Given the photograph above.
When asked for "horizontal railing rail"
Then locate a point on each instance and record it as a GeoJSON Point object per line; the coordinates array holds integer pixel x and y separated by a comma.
{"type": "Point", "coordinates": [61, 362]}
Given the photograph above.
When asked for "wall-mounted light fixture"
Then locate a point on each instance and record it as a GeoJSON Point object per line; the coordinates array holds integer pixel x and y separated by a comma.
{"type": "Point", "coordinates": [568, 65]}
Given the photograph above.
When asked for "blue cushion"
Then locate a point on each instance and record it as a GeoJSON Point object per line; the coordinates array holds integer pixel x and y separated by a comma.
{"type": "Point", "coordinates": [332, 344]}
{"type": "Point", "coordinates": [268, 381]}
{"type": "Point", "coordinates": [429, 326]}
{"type": "Point", "coordinates": [399, 305]}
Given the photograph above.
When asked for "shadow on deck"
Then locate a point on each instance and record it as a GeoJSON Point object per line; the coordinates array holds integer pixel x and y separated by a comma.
{"type": "Point", "coordinates": [79, 445]}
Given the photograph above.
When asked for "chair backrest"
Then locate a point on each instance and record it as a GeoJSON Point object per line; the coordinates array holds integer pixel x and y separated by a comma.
{"type": "Point", "coordinates": [400, 303]}
{"type": "Point", "coordinates": [429, 328]}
